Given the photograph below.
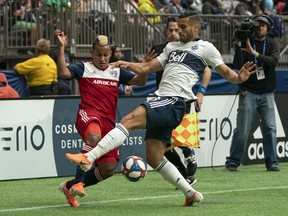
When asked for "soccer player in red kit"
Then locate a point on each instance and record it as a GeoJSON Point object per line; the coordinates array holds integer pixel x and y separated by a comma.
{"type": "Point", "coordinates": [98, 86]}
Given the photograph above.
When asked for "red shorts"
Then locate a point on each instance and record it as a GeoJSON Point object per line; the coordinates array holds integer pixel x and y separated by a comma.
{"type": "Point", "coordinates": [84, 118]}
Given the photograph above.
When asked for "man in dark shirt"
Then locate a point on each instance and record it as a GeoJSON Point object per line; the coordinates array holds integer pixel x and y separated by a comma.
{"type": "Point", "coordinates": [257, 94]}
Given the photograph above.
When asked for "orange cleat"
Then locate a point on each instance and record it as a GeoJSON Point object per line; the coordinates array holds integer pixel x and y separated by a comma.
{"type": "Point", "coordinates": [70, 198]}
{"type": "Point", "coordinates": [197, 197]}
{"type": "Point", "coordinates": [80, 159]}
{"type": "Point", "coordinates": [78, 189]}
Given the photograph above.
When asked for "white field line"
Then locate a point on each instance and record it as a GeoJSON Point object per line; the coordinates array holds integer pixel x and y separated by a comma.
{"type": "Point", "coordinates": [140, 198]}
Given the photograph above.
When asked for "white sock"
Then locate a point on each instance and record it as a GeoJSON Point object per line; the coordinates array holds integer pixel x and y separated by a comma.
{"type": "Point", "coordinates": [110, 141]}
{"type": "Point", "coordinates": [173, 176]}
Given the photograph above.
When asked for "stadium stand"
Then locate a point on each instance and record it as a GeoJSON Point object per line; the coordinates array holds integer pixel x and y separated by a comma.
{"type": "Point", "coordinates": [83, 21]}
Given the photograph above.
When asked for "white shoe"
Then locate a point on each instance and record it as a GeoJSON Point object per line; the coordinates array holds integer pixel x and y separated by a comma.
{"type": "Point", "coordinates": [197, 197]}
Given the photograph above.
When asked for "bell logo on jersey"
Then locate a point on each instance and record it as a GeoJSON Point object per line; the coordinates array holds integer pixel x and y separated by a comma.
{"type": "Point", "coordinates": [176, 57]}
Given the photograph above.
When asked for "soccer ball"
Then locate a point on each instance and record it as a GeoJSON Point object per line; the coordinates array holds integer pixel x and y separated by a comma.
{"type": "Point", "coordinates": [134, 168]}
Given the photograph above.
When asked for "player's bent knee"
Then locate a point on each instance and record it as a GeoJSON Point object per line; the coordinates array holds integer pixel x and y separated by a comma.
{"type": "Point", "coordinates": [133, 121]}
{"type": "Point", "coordinates": [93, 139]}
{"type": "Point", "coordinates": [107, 172]}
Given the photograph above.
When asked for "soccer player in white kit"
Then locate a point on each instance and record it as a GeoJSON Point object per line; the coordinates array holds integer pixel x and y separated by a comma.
{"type": "Point", "coordinates": [182, 63]}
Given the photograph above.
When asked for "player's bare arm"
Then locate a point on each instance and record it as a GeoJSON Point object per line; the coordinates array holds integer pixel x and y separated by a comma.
{"type": "Point", "coordinates": [61, 64]}
{"type": "Point", "coordinates": [141, 79]}
{"type": "Point", "coordinates": [227, 73]}
{"type": "Point", "coordinates": [140, 68]}
{"type": "Point", "coordinates": [204, 83]}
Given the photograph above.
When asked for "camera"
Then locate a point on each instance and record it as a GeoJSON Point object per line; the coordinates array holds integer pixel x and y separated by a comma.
{"type": "Point", "coordinates": [245, 30]}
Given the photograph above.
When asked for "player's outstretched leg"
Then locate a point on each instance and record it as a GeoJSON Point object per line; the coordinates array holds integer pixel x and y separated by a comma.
{"type": "Point", "coordinates": [110, 141]}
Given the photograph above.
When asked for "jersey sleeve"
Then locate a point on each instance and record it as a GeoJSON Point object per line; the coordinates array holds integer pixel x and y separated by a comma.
{"type": "Point", "coordinates": [213, 56]}
{"type": "Point", "coordinates": [125, 76]}
{"type": "Point", "coordinates": [163, 57]}
{"type": "Point", "coordinates": [76, 70]}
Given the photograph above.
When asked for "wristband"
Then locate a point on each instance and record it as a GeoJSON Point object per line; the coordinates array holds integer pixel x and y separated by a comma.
{"type": "Point", "coordinates": [202, 89]}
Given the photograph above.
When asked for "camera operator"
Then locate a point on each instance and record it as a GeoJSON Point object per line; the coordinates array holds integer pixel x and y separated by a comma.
{"type": "Point", "coordinates": [256, 94]}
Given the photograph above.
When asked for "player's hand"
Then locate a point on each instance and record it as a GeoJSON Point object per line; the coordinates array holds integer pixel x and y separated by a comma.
{"type": "Point", "coordinates": [198, 102]}
{"type": "Point", "coordinates": [120, 64]}
{"type": "Point", "coordinates": [246, 71]}
{"type": "Point", "coordinates": [248, 48]}
{"type": "Point", "coordinates": [148, 56]}
{"type": "Point", "coordinates": [60, 37]}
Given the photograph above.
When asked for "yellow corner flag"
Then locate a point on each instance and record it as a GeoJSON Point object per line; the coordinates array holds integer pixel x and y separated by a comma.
{"type": "Point", "coordinates": [187, 133]}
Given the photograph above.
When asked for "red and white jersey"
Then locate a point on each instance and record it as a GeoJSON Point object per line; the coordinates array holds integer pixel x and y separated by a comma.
{"type": "Point", "coordinates": [99, 88]}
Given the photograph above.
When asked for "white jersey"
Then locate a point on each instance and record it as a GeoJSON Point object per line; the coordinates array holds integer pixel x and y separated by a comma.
{"type": "Point", "coordinates": [183, 66]}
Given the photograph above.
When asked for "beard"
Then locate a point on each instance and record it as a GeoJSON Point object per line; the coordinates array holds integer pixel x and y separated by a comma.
{"type": "Point", "coordinates": [260, 35]}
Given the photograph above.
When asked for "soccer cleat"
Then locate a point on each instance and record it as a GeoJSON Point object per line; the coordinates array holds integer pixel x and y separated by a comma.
{"type": "Point", "coordinates": [197, 197]}
{"type": "Point", "coordinates": [70, 198]}
{"type": "Point", "coordinates": [79, 159]}
{"type": "Point", "coordinates": [78, 189]}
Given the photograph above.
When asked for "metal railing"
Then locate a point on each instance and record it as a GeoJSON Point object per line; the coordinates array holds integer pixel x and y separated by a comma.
{"type": "Point", "coordinates": [120, 21]}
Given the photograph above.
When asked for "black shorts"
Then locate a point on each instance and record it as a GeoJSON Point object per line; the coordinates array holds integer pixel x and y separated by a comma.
{"type": "Point", "coordinates": [163, 115]}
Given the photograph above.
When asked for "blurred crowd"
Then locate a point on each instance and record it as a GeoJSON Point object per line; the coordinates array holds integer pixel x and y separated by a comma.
{"type": "Point", "coordinates": [24, 15]}
{"type": "Point", "coordinates": [227, 7]}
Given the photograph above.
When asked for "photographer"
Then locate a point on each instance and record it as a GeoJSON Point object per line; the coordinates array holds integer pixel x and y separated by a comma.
{"type": "Point", "coordinates": [257, 93]}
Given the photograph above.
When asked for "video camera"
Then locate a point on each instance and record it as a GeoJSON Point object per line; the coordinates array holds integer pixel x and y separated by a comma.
{"type": "Point", "coordinates": [245, 30]}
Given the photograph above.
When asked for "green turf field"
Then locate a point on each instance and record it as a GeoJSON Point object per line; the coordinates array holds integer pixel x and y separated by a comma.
{"type": "Point", "coordinates": [250, 191]}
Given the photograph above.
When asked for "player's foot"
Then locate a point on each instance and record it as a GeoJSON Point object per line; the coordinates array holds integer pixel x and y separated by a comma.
{"type": "Point", "coordinates": [197, 197]}
{"type": "Point", "coordinates": [191, 180]}
{"type": "Point", "coordinates": [78, 189]}
{"type": "Point", "coordinates": [79, 159]}
{"type": "Point", "coordinates": [231, 168]}
{"type": "Point", "coordinates": [70, 198]}
{"type": "Point", "coordinates": [273, 169]}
